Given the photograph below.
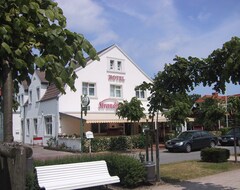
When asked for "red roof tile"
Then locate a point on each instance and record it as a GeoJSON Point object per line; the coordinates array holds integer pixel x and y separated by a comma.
{"type": "Point", "coordinates": [52, 92]}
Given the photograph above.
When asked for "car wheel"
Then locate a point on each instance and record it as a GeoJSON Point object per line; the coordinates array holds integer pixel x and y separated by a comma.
{"type": "Point", "coordinates": [212, 144]}
{"type": "Point", "coordinates": [188, 148]}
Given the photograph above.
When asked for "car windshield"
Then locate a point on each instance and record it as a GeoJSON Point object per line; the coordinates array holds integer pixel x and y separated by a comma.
{"type": "Point", "coordinates": [185, 135]}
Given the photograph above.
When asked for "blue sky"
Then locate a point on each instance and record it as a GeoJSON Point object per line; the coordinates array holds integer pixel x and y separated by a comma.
{"type": "Point", "coordinates": [153, 32]}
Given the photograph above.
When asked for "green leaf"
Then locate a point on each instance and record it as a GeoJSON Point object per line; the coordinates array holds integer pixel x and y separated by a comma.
{"type": "Point", "coordinates": [25, 9]}
{"type": "Point", "coordinates": [18, 52]}
{"type": "Point", "coordinates": [19, 63]}
{"type": "Point", "coordinates": [3, 30]}
{"type": "Point", "coordinates": [80, 59]}
{"type": "Point", "coordinates": [93, 54]}
{"type": "Point", "coordinates": [50, 14]}
{"type": "Point", "coordinates": [6, 47]}
{"type": "Point", "coordinates": [40, 62]}
{"type": "Point", "coordinates": [34, 6]}
{"type": "Point", "coordinates": [31, 29]}
{"type": "Point", "coordinates": [7, 17]}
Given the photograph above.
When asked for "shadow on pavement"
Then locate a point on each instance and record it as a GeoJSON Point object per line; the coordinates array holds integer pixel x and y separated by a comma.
{"type": "Point", "coordinates": [189, 185]}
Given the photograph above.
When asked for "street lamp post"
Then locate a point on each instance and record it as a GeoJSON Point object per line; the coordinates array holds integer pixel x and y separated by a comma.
{"type": "Point", "coordinates": [157, 150]}
{"type": "Point", "coordinates": [85, 101]}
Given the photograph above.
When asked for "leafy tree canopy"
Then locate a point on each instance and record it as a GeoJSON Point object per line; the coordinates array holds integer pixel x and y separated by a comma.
{"type": "Point", "coordinates": [179, 109]}
{"type": "Point", "coordinates": [132, 110]}
{"type": "Point", "coordinates": [233, 109]}
{"type": "Point", "coordinates": [33, 35]}
{"type": "Point", "coordinates": [220, 67]}
{"type": "Point", "coordinates": [210, 112]}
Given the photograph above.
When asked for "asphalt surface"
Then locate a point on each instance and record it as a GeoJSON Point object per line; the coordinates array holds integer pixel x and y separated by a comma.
{"type": "Point", "coordinates": [229, 180]}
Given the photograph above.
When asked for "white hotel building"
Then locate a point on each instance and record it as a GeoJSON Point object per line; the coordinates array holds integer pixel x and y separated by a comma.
{"type": "Point", "coordinates": [46, 113]}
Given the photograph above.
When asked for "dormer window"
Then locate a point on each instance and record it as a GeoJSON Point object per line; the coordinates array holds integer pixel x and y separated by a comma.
{"type": "Point", "coordinates": [119, 66]}
{"type": "Point", "coordinates": [115, 65]}
{"type": "Point", "coordinates": [38, 94]}
{"type": "Point", "coordinates": [111, 65]}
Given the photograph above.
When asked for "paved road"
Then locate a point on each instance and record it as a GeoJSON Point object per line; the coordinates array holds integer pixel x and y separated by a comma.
{"type": "Point", "coordinates": [170, 157]}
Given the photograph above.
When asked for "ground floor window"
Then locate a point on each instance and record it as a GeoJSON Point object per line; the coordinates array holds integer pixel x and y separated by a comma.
{"type": "Point", "coordinates": [28, 127]}
{"type": "Point", "coordinates": [48, 125]}
{"type": "Point", "coordinates": [99, 127]}
{"type": "Point", "coordinates": [35, 123]}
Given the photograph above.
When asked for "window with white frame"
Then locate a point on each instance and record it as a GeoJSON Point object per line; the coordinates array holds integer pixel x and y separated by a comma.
{"type": "Point", "coordinates": [35, 123]}
{"type": "Point", "coordinates": [48, 125]}
{"type": "Point", "coordinates": [38, 94]}
{"type": "Point", "coordinates": [115, 65]}
{"type": "Point", "coordinates": [30, 97]}
{"type": "Point", "coordinates": [119, 65]}
{"type": "Point", "coordinates": [19, 99]}
{"type": "Point", "coordinates": [28, 127]}
{"type": "Point", "coordinates": [88, 89]}
{"type": "Point", "coordinates": [22, 99]}
{"type": "Point", "coordinates": [115, 91]}
{"type": "Point", "coordinates": [112, 65]}
{"type": "Point", "coordinates": [140, 93]}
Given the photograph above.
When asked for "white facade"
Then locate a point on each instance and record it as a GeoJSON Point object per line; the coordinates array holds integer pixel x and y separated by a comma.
{"type": "Point", "coordinates": [47, 113]}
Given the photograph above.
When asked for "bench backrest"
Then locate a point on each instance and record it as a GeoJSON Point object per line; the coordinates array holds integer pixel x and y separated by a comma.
{"type": "Point", "coordinates": [73, 173]}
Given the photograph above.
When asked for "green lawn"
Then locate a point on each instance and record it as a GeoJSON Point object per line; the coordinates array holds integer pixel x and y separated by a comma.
{"type": "Point", "coordinates": [193, 169]}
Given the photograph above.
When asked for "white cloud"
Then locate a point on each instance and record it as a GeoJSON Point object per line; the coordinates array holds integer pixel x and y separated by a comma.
{"type": "Point", "coordinates": [85, 16]}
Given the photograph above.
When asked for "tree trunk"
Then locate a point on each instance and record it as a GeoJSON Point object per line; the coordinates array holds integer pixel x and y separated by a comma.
{"type": "Point", "coordinates": [7, 102]}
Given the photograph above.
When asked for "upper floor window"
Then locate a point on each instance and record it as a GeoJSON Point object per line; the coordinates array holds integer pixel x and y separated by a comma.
{"type": "Point", "coordinates": [140, 93]}
{"type": "Point", "coordinates": [88, 89]}
{"type": "Point", "coordinates": [38, 94]}
{"type": "Point", "coordinates": [119, 66]}
{"type": "Point", "coordinates": [30, 97]}
{"type": "Point", "coordinates": [35, 123]}
{"type": "Point", "coordinates": [115, 91]}
{"type": "Point", "coordinates": [22, 99]}
{"type": "Point", "coordinates": [112, 65]}
{"type": "Point", "coordinates": [115, 65]}
{"type": "Point", "coordinates": [28, 127]}
{"type": "Point", "coordinates": [48, 125]}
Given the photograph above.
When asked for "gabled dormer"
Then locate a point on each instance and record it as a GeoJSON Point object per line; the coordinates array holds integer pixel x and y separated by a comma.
{"type": "Point", "coordinates": [37, 88]}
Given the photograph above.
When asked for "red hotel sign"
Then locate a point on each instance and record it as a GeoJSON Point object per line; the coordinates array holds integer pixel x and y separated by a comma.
{"type": "Point", "coordinates": [108, 104]}
{"type": "Point", "coordinates": [116, 78]}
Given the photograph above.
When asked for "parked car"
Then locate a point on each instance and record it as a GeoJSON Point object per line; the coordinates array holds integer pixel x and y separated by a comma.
{"type": "Point", "coordinates": [228, 139]}
{"type": "Point", "coordinates": [191, 140]}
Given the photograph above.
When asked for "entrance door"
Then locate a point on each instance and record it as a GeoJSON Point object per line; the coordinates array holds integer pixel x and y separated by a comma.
{"type": "Point", "coordinates": [128, 128]}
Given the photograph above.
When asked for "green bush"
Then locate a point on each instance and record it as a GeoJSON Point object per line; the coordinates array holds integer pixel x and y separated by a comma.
{"type": "Point", "coordinates": [138, 141]}
{"type": "Point", "coordinates": [224, 130]}
{"type": "Point", "coordinates": [116, 143]}
{"type": "Point", "coordinates": [215, 155]}
{"type": "Point", "coordinates": [119, 143]}
{"type": "Point", "coordinates": [169, 136]}
{"type": "Point", "coordinates": [99, 144]}
{"type": "Point", "coordinates": [130, 170]}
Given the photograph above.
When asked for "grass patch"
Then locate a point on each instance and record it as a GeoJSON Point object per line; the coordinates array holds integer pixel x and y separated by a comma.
{"type": "Point", "coordinates": [193, 169]}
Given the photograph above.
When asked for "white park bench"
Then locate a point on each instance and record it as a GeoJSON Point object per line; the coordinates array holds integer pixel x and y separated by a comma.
{"type": "Point", "coordinates": [75, 175]}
